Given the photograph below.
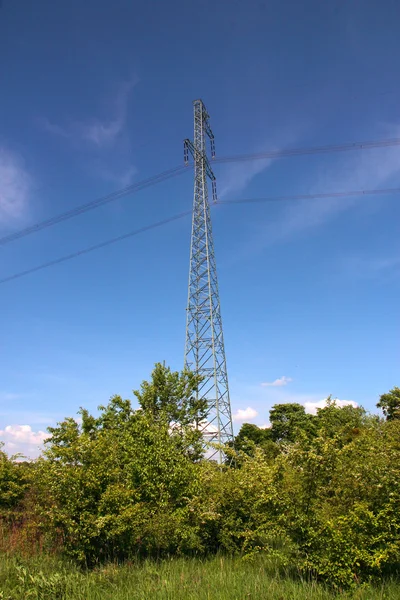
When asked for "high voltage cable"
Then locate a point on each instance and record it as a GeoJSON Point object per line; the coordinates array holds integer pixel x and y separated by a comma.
{"type": "Point", "coordinates": [114, 240]}
{"type": "Point", "coordinates": [74, 212]}
{"type": "Point", "coordinates": [188, 212]}
{"type": "Point", "coordinates": [312, 196]}
{"type": "Point", "coordinates": [312, 150]}
{"type": "Point", "coordinates": [136, 187]}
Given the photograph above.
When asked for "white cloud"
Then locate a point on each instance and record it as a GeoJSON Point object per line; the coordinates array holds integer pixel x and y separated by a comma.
{"type": "Point", "coordinates": [205, 426]}
{"type": "Point", "coordinates": [21, 438]}
{"type": "Point", "coordinates": [312, 407]}
{"type": "Point", "coordinates": [208, 428]}
{"type": "Point", "coordinates": [278, 382]}
{"type": "Point", "coordinates": [15, 187]}
{"type": "Point", "coordinates": [245, 414]}
{"type": "Point", "coordinates": [23, 434]}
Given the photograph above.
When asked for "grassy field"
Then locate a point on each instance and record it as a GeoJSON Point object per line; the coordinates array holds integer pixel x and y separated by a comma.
{"type": "Point", "coordinates": [49, 578]}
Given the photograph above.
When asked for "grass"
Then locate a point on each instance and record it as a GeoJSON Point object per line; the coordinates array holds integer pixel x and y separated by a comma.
{"type": "Point", "coordinates": [219, 578]}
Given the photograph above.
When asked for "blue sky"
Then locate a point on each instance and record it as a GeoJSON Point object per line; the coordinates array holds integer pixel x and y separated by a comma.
{"type": "Point", "coordinates": [97, 95]}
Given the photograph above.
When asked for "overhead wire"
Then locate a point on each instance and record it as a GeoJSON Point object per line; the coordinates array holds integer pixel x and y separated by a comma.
{"type": "Point", "coordinates": [385, 143]}
{"type": "Point", "coordinates": [136, 187]}
{"type": "Point", "coordinates": [83, 208]}
{"type": "Point", "coordinates": [181, 215]}
{"type": "Point", "coordinates": [109, 242]}
{"type": "Point", "coordinates": [354, 193]}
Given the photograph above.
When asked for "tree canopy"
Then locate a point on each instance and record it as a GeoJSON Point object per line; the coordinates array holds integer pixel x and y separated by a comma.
{"type": "Point", "coordinates": [390, 404]}
{"type": "Point", "coordinates": [319, 492]}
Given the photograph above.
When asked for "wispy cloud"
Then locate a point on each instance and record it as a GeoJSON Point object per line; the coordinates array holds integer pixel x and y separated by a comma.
{"type": "Point", "coordinates": [15, 187]}
{"type": "Point", "coordinates": [278, 382]}
{"type": "Point", "coordinates": [102, 138]}
{"type": "Point", "coordinates": [101, 133]}
{"type": "Point", "coordinates": [104, 133]}
{"type": "Point", "coordinates": [9, 396]}
{"type": "Point", "coordinates": [246, 414]}
{"type": "Point", "coordinates": [384, 267]}
{"type": "Point", "coordinates": [65, 132]}
{"type": "Point", "coordinates": [367, 169]}
{"type": "Point", "coordinates": [121, 177]}
{"type": "Point", "coordinates": [382, 264]}
{"type": "Point", "coordinates": [233, 178]}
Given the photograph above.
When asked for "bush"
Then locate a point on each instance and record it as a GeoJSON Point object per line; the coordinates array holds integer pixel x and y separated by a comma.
{"type": "Point", "coordinates": [322, 499]}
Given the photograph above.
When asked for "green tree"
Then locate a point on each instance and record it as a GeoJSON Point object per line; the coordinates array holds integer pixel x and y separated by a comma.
{"type": "Point", "coordinates": [345, 421]}
{"type": "Point", "coordinates": [171, 397]}
{"type": "Point", "coordinates": [120, 483]}
{"type": "Point", "coordinates": [290, 420]}
{"type": "Point", "coordinates": [251, 436]}
{"type": "Point", "coordinates": [328, 504]}
{"type": "Point", "coordinates": [390, 404]}
{"type": "Point", "coordinates": [13, 482]}
{"type": "Point", "coordinates": [353, 530]}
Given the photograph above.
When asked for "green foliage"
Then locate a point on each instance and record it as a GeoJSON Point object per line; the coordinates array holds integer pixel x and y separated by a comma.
{"type": "Point", "coordinates": [330, 500]}
{"type": "Point", "coordinates": [119, 484]}
{"type": "Point", "coordinates": [349, 496]}
{"type": "Point", "coordinates": [250, 436]}
{"type": "Point", "coordinates": [172, 394]}
{"type": "Point", "coordinates": [39, 586]}
{"type": "Point", "coordinates": [390, 404]}
{"type": "Point", "coordinates": [13, 483]}
{"type": "Point", "coordinates": [316, 495]}
{"type": "Point", "coordinates": [220, 577]}
{"type": "Point", "coordinates": [288, 421]}
{"type": "Point", "coordinates": [345, 422]}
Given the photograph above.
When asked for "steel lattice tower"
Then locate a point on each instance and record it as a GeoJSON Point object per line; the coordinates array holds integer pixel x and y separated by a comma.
{"type": "Point", "coordinates": [204, 350]}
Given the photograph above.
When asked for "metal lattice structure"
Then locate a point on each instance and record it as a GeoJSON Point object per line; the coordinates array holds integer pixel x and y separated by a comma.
{"type": "Point", "coordinates": [204, 350]}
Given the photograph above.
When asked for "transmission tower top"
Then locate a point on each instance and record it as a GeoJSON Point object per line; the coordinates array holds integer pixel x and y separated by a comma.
{"type": "Point", "coordinates": [204, 350]}
{"type": "Point", "coordinates": [197, 148]}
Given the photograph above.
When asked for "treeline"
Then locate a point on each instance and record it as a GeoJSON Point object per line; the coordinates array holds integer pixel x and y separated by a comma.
{"type": "Point", "coordinates": [319, 492]}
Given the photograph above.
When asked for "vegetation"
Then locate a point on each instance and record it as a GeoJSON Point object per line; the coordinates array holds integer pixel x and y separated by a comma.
{"type": "Point", "coordinates": [308, 508]}
{"type": "Point", "coordinates": [219, 577]}
{"type": "Point", "coordinates": [390, 404]}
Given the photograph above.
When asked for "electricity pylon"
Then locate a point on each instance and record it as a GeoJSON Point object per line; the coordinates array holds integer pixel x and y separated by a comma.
{"type": "Point", "coordinates": [204, 350]}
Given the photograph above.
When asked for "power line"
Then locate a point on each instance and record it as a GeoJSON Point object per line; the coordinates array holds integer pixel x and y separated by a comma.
{"type": "Point", "coordinates": [312, 150]}
{"type": "Point", "coordinates": [354, 193]}
{"type": "Point", "coordinates": [188, 212]}
{"type": "Point", "coordinates": [83, 208]}
{"type": "Point", "coordinates": [114, 240]}
{"type": "Point", "coordinates": [136, 187]}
